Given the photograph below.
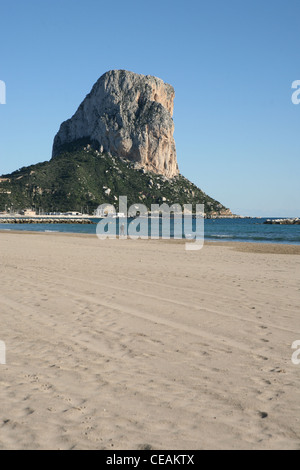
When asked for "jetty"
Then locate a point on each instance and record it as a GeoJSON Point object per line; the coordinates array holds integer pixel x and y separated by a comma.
{"type": "Point", "coordinates": [295, 221]}
{"type": "Point", "coordinates": [45, 220]}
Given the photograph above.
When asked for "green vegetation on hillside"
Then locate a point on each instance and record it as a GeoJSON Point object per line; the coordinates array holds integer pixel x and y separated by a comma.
{"type": "Point", "coordinates": [80, 179]}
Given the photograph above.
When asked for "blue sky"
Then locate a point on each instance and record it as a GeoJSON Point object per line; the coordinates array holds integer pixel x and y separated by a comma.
{"type": "Point", "coordinates": [232, 64]}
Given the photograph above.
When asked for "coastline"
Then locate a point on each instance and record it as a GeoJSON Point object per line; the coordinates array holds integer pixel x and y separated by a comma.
{"type": "Point", "coordinates": [122, 344]}
{"type": "Point", "coordinates": [251, 247]}
{"type": "Point", "coordinates": [224, 230]}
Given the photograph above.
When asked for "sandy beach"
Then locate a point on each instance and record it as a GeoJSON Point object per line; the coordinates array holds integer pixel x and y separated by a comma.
{"type": "Point", "coordinates": [123, 344]}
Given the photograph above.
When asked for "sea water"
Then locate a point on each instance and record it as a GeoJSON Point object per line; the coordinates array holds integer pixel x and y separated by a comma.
{"type": "Point", "coordinates": [241, 230]}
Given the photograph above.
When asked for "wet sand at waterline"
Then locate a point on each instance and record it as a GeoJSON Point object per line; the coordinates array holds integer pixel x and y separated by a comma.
{"type": "Point", "coordinates": [123, 344]}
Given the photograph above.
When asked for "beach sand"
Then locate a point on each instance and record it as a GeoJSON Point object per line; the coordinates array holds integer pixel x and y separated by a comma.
{"type": "Point", "coordinates": [123, 344]}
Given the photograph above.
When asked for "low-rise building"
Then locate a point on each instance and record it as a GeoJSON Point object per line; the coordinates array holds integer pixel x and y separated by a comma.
{"type": "Point", "coordinates": [28, 212]}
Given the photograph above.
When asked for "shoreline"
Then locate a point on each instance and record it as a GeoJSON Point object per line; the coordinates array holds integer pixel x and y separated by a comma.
{"type": "Point", "coordinates": [251, 247]}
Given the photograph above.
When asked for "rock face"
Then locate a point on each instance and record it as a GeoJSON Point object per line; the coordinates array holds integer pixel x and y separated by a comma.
{"type": "Point", "coordinates": [130, 116]}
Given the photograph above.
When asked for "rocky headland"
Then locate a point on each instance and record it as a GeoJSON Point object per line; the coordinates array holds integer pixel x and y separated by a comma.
{"type": "Point", "coordinates": [119, 142]}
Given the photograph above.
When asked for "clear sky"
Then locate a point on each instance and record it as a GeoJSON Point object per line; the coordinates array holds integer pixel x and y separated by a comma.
{"type": "Point", "coordinates": [232, 64]}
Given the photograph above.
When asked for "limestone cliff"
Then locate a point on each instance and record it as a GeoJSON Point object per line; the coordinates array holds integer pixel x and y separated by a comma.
{"type": "Point", "coordinates": [130, 116]}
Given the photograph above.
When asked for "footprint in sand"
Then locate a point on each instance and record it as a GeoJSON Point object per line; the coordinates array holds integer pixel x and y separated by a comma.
{"type": "Point", "coordinates": [267, 382]}
{"type": "Point", "coordinates": [263, 414]}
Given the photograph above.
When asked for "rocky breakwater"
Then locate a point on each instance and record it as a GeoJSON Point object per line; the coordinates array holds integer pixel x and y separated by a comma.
{"type": "Point", "coordinates": [295, 221]}
{"type": "Point", "coordinates": [129, 116]}
{"type": "Point", "coordinates": [23, 220]}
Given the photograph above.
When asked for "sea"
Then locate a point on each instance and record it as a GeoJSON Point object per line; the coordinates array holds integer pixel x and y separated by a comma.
{"type": "Point", "coordinates": [240, 230]}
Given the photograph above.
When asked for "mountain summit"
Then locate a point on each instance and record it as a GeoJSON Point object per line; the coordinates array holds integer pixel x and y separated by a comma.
{"type": "Point", "coordinates": [129, 116]}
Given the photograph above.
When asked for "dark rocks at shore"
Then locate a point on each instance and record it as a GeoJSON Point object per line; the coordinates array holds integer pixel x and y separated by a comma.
{"type": "Point", "coordinates": [44, 221]}
{"type": "Point", "coordinates": [295, 221]}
